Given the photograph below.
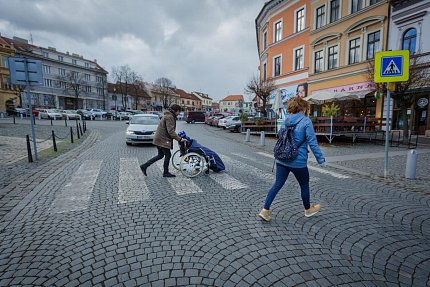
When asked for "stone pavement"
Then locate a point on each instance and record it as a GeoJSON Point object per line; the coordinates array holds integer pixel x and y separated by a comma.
{"type": "Point", "coordinates": [95, 220]}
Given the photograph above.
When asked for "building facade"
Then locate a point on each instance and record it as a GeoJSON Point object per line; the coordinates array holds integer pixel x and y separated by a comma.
{"type": "Point", "coordinates": [9, 96]}
{"type": "Point", "coordinates": [282, 29]}
{"type": "Point", "coordinates": [69, 80]}
{"type": "Point", "coordinates": [232, 103]}
{"type": "Point", "coordinates": [344, 37]}
{"type": "Point", "coordinates": [206, 101]}
{"type": "Point", "coordinates": [407, 32]}
{"type": "Point", "coordinates": [189, 101]}
{"type": "Point", "coordinates": [134, 97]}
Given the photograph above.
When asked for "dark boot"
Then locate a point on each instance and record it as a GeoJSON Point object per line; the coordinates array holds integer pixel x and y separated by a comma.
{"type": "Point", "coordinates": [143, 168]}
{"type": "Point", "coordinates": [168, 174]}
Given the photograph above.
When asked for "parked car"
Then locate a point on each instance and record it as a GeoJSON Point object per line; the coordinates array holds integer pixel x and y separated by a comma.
{"type": "Point", "coordinates": [70, 115]}
{"type": "Point", "coordinates": [235, 127]}
{"type": "Point", "coordinates": [181, 116]}
{"type": "Point", "coordinates": [85, 114]}
{"type": "Point", "coordinates": [159, 114]}
{"type": "Point", "coordinates": [50, 114]}
{"type": "Point", "coordinates": [194, 117]}
{"type": "Point", "coordinates": [97, 112]}
{"type": "Point", "coordinates": [222, 123]}
{"type": "Point", "coordinates": [123, 116]}
{"type": "Point", "coordinates": [141, 128]}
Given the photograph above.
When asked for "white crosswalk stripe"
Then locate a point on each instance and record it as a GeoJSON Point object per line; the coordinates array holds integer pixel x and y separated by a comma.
{"type": "Point", "coordinates": [132, 186]}
{"type": "Point", "coordinates": [227, 181]}
{"type": "Point", "coordinates": [180, 184]}
{"type": "Point", "coordinates": [253, 171]}
{"type": "Point", "coordinates": [75, 195]}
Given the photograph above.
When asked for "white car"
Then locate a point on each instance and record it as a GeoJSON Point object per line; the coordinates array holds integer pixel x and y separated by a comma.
{"type": "Point", "coordinates": [227, 121]}
{"type": "Point", "coordinates": [141, 128]}
{"type": "Point", "coordinates": [70, 115]}
{"type": "Point", "coordinates": [97, 113]}
{"type": "Point", "coordinates": [50, 114]}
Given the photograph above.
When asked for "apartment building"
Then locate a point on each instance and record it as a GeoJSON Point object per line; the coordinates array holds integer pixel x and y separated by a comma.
{"type": "Point", "coordinates": [9, 96]}
{"type": "Point", "coordinates": [282, 29]}
{"type": "Point", "coordinates": [206, 101]}
{"type": "Point", "coordinates": [189, 101]}
{"type": "Point", "coordinates": [69, 80]}
{"type": "Point", "coordinates": [232, 103]}
{"type": "Point", "coordinates": [132, 97]}
{"type": "Point", "coordinates": [344, 37]}
{"type": "Point", "coordinates": [407, 32]}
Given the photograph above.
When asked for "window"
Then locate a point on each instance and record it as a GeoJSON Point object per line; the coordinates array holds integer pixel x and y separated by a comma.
{"type": "Point", "coordinates": [354, 51]}
{"type": "Point", "coordinates": [277, 66]}
{"type": "Point", "coordinates": [300, 20]}
{"type": "Point", "coordinates": [48, 82]}
{"type": "Point", "coordinates": [74, 62]}
{"type": "Point", "coordinates": [333, 55]}
{"type": "Point", "coordinates": [100, 92]}
{"type": "Point", "coordinates": [87, 77]}
{"type": "Point", "coordinates": [356, 5]}
{"type": "Point", "coordinates": [5, 62]}
{"type": "Point", "coordinates": [87, 65]}
{"type": "Point", "coordinates": [334, 10]}
{"type": "Point", "coordinates": [265, 40]}
{"type": "Point", "coordinates": [88, 89]}
{"type": "Point", "coordinates": [46, 69]}
{"type": "Point", "coordinates": [372, 44]}
{"type": "Point", "coordinates": [264, 71]}
{"type": "Point", "coordinates": [45, 54]}
{"type": "Point", "coordinates": [98, 79]}
{"type": "Point", "coordinates": [373, 2]}
{"type": "Point", "coordinates": [61, 71]}
{"type": "Point", "coordinates": [409, 40]}
{"type": "Point", "coordinates": [299, 62]}
{"type": "Point", "coordinates": [60, 58]}
{"type": "Point", "coordinates": [320, 17]}
{"type": "Point", "coordinates": [75, 75]}
{"type": "Point", "coordinates": [319, 61]}
{"type": "Point", "coordinates": [278, 31]}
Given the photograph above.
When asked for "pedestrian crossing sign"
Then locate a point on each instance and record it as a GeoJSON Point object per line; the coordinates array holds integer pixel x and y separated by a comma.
{"type": "Point", "coordinates": [391, 66]}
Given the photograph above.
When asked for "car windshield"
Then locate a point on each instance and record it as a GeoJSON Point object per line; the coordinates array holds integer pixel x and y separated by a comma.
{"type": "Point", "coordinates": [145, 120]}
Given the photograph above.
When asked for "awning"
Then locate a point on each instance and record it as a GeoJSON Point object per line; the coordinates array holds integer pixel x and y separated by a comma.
{"type": "Point", "coordinates": [321, 97]}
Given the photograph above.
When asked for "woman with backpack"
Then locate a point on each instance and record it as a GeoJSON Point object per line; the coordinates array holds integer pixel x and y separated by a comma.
{"type": "Point", "coordinates": [303, 135]}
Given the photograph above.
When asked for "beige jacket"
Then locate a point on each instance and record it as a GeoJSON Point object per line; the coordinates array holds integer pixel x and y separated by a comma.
{"type": "Point", "coordinates": [165, 133]}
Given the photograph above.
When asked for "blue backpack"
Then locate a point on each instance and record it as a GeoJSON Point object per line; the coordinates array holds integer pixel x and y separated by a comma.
{"type": "Point", "coordinates": [286, 148]}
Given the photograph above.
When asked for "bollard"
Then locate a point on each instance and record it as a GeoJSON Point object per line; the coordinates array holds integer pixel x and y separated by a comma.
{"type": "Point", "coordinates": [411, 164]}
{"type": "Point", "coordinates": [101, 117]}
{"type": "Point", "coordinates": [39, 116]}
{"type": "Point", "coordinates": [54, 143]}
{"type": "Point", "coordinates": [51, 121]}
{"type": "Point", "coordinates": [71, 134]}
{"type": "Point", "coordinates": [77, 131]}
{"type": "Point", "coordinates": [29, 155]}
{"type": "Point", "coordinates": [80, 129]}
{"type": "Point", "coordinates": [248, 135]}
{"type": "Point", "coordinates": [14, 119]}
{"type": "Point", "coordinates": [34, 119]}
{"type": "Point", "coordinates": [22, 116]}
{"type": "Point", "coordinates": [262, 138]}
{"type": "Point", "coordinates": [65, 122]}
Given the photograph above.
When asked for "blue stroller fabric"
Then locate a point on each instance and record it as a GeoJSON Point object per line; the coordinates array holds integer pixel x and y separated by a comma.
{"type": "Point", "coordinates": [215, 162]}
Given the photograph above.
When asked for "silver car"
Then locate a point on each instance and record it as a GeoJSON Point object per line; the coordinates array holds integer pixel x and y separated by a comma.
{"type": "Point", "coordinates": [141, 128]}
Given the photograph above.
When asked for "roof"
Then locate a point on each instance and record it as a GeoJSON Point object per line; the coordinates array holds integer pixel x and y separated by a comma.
{"type": "Point", "coordinates": [184, 95]}
{"type": "Point", "coordinates": [202, 95]}
{"type": "Point", "coordinates": [233, 98]}
{"type": "Point", "coordinates": [19, 44]}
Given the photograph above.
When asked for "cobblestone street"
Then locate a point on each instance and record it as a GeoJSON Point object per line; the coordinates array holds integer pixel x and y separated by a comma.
{"type": "Point", "coordinates": [90, 218]}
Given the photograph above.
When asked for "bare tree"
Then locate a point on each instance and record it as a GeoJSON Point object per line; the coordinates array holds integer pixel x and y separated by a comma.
{"type": "Point", "coordinates": [74, 84]}
{"type": "Point", "coordinates": [165, 88]}
{"type": "Point", "coordinates": [261, 89]}
{"type": "Point", "coordinates": [406, 92]}
{"type": "Point", "coordinates": [122, 76]}
{"type": "Point", "coordinates": [138, 89]}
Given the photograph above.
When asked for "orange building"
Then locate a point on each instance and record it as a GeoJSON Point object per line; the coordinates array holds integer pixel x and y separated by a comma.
{"type": "Point", "coordinates": [282, 29]}
{"type": "Point", "coordinates": [344, 37]}
{"type": "Point", "coordinates": [9, 98]}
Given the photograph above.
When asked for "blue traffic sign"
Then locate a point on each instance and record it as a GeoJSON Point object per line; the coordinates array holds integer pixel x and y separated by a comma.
{"type": "Point", "coordinates": [391, 66]}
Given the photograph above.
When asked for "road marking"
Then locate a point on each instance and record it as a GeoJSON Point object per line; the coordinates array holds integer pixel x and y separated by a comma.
{"type": "Point", "coordinates": [132, 186]}
{"type": "Point", "coordinates": [227, 181]}
{"type": "Point", "coordinates": [253, 171]}
{"type": "Point", "coordinates": [75, 195]}
{"type": "Point", "coordinates": [317, 169]}
{"type": "Point", "coordinates": [180, 184]}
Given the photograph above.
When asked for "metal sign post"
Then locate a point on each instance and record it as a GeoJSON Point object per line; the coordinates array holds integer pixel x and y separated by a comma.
{"type": "Point", "coordinates": [28, 72]}
{"type": "Point", "coordinates": [390, 67]}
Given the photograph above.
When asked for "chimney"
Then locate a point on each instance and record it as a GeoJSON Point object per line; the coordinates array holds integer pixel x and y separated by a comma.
{"type": "Point", "coordinates": [95, 61]}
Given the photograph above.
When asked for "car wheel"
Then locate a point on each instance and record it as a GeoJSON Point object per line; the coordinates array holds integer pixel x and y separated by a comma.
{"type": "Point", "coordinates": [193, 122]}
{"type": "Point", "coordinates": [223, 128]}
{"type": "Point", "coordinates": [127, 143]}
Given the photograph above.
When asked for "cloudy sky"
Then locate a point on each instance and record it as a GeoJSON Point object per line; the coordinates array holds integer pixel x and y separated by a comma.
{"type": "Point", "coordinates": [201, 45]}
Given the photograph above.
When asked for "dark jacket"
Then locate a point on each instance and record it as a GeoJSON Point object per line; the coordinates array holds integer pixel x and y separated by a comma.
{"type": "Point", "coordinates": [165, 133]}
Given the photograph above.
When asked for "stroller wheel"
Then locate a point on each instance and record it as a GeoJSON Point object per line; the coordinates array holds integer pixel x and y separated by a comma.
{"type": "Point", "coordinates": [176, 159]}
{"type": "Point", "coordinates": [192, 164]}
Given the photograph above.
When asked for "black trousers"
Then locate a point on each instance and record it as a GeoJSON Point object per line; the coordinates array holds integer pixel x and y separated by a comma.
{"type": "Point", "coordinates": [162, 152]}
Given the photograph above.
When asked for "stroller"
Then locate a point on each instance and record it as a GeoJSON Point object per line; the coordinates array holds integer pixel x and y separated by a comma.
{"type": "Point", "coordinates": [193, 158]}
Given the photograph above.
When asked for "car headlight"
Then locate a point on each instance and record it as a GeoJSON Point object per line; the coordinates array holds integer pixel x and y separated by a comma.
{"type": "Point", "coordinates": [130, 132]}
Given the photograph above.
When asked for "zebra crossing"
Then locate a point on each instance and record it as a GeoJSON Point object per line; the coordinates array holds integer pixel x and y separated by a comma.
{"type": "Point", "coordinates": [133, 186]}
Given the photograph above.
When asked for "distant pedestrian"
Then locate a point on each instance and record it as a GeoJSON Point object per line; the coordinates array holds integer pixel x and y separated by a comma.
{"type": "Point", "coordinates": [304, 135]}
{"type": "Point", "coordinates": [163, 139]}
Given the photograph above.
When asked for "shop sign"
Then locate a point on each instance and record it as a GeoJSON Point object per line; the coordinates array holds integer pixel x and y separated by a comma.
{"type": "Point", "coordinates": [359, 87]}
{"type": "Point", "coordinates": [422, 102]}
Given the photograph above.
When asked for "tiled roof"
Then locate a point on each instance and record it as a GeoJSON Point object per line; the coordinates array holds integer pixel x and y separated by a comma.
{"type": "Point", "coordinates": [233, 98]}
{"type": "Point", "coordinates": [202, 95]}
{"type": "Point", "coordinates": [186, 95]}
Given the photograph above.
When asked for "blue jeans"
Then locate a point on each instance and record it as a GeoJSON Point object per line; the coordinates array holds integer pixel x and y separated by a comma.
{"type": "Point", "coordinates": [282, 172]}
